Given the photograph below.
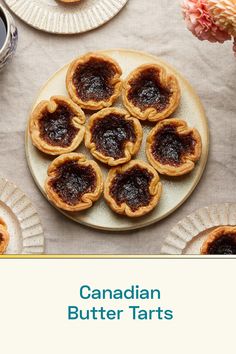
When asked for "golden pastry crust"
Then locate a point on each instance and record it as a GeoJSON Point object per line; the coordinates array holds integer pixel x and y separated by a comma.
{"type": "Point", "coordinates": [154, 189]}
{"type": "Point", "coordinates": [114, 81]}
{"type": "Point", "coordinates": [94, 185]}
{"type": "Point", "coordinates": [216, 235]}
{"type": "Point", "coordinates": [188, 158]}
{"type": "Point", "coordinates": [57, 147]}
{"type": "Point", "coordinates": [130, 147]}
{"type": "Point", "coordinates": [151, 109]}
{"type": "Point", "coordinates": [4, 236]}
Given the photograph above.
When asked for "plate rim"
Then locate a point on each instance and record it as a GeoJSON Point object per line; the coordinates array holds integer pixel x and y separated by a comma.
{"type": "Point", "coordinates": [210, 210]}
{"type": "Point", "coordinates": [20, 220]}
{"type": "Point", "coordinates": [67, 33]}
{"type": "Point", "coordinates": [204, 161]}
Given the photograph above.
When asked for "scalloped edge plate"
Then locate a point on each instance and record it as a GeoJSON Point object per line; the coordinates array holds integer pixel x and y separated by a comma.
{"type": "Point", "coordinates": [23, 223]}
{"type": "Point", "coordinates": [58, 18]}
{"type": "Point", "coordinates": [189, 234]}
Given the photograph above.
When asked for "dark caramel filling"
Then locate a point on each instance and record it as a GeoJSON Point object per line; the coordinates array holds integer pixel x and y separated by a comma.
{"type": "Point", "coordinates": [93, 80]}
{"type": "Point", "coordinates": [73, 181]}
{"type": "Point", "coordinates": [224, 245]}
{"type": "Point", "coordinates": [111, 134]}
{"type": "Point", "coordinates": [169, 147]}
{"type": "Point", "coordinates": [146, 91]}
{"type": "Point", "coordinates": [57, 128]}
{"type": "Point", "coordinates": [1, 238]}
{"type": "Point", "coordinates": [132, 188]}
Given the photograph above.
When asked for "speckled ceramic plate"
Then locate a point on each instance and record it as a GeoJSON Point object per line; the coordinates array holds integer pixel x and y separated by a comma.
{"type": "Point", "coordinates": [189, 234]}
{"type": "Point", "coordinates": [56, 17]}
{"type": "Point", "coordinates": [22, 220]}
{"type": "Point", "coordinates": [175, 191]}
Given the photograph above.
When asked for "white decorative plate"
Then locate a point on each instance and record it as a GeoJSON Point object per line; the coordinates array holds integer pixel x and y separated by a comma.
{"type": "Point", "coordinates": [56, 17]}
{"type": "Point", "coordinates": [175, 191]}
{"type": "Point", "coordinates": [189, 234]}
{"type": "Point", "coordinates": [23, 224]}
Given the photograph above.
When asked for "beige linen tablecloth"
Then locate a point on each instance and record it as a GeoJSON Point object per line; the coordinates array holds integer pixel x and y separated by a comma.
{"type": "Point", "coordinates": [153, 26]}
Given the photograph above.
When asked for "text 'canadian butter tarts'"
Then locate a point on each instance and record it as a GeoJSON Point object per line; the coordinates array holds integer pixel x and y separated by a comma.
{"type": "Point", "coordinates": [173, 148]}
{"type": "Point", "coordinates": [56, 126]}
{"type": "Point", "coordinates": [113, 136]}
{"type": "Point", "coordinates": [222, 241]}
{"type": "Point", "coordinates": [4, 236]}
{"type": "Point", "coordinates": [73, 182]}
{"type": "Point", "coordinates": [151, 93]}
{"type": "Point", "coordinates": [133, 189]}
{"type": "Point", "coordinates": [93, 81]}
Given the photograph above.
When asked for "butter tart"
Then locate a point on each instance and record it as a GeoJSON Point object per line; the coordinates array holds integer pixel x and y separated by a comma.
{"type": "Point", "coordinates": [56, 126]}
{"type": "Point", "coordinates": [73, 182]}
{"type": "Point", "coordinates": [113, 136]}
{"type": "Point", "coordinates": [150, 93]}
{"type": "Point", "coordinates": [133, 189]}
{"type": "Point", "coordinates": [93, 81]}
{"type": "Point", "coordinates": [222, 241]}
{"type": "Point", "coordinates": [173, 148]}
{"type": "Point", "coordinates": [4, 236]}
